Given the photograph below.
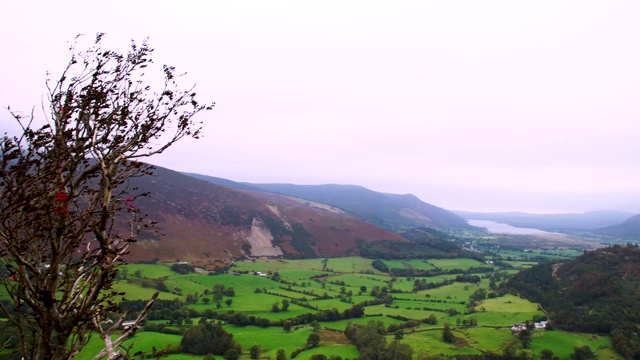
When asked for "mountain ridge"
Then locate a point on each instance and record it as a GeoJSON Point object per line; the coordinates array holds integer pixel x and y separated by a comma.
{"type": "Point", "coordinates": [627, 230]}
{"type": "Point", "coordinates": [210, 224]}
{"type": "Point", "coordinates": [393, 212]}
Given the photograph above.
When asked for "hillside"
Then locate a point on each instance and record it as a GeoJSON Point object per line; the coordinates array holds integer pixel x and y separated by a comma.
{"type": "Point", "coordinates": [629, 230]}
{"type": "Point", "coordinates": [209, 224]}
{"type": "Point", "coordinates": [597, 292]}
{"type": "Point", "coordinates": [587, 221]}
{"type": "Point", "coordinates": [390, 211]}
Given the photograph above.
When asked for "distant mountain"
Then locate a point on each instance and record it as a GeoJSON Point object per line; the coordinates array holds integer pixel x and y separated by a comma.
{"type": "Point", "coordinates": [205, 223]}
{"type": "Point", "coordinates": [389, 211]}
{"type": "Point", "coordinates": [224, 182]}
{"type": "Point", "coordinates": [587, 221]}
{"type": "Point", "coordinates": [597, 292]}
{"type": "Point", "coordinates": [629, 230]}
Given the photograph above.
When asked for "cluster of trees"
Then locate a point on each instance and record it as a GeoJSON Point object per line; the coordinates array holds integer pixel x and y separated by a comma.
{"type": "Point", "coordinates": [511, 353]}
{"type": "Point", "coordinates": [422, 284]}
{"type": "Point", "coordinates": [239, 318]}
{"type": "Point", "coordinates": [407, 324]}
{"type": "Point", "coordinates": [626, 341]}
{"type": "Point", "coordinates": [447, 334]}
{"type": "Point", "coordinates": [475, 299]}
{"type": "Point", "coordinates": [438, 247]}
{"type": "Point", "coordinates": [210, 338]}
{"type": "Point", "coordinates": [371, 342]}
{"type": "Point", "coordinates": [411, 272]}
{"type": "Point", "coordinates": [380, 266]}
{"type": "Point", "coordinates": [312, 341]}
{"type": "Point", "coordinates": [182, 268]}
{"type": "Point", "coordinates": [595, 293]}
{"type": "Point", "coordinates": [276, 307]}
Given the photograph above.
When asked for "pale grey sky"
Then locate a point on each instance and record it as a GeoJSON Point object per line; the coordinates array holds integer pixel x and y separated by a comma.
{"type": "Point", "coordinates": [469, 105]}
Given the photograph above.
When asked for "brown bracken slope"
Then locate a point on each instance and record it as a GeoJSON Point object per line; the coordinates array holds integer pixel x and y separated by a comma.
{"type": "Point", "coordinates": [209, 224]}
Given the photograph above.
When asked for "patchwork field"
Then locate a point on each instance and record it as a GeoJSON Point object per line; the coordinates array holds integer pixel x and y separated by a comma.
{"type": "Point", "coordinates": [321, 288]}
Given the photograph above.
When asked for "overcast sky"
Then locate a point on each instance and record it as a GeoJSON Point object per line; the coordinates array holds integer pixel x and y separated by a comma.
{"type": "Point", "coordinates": [469, 105]}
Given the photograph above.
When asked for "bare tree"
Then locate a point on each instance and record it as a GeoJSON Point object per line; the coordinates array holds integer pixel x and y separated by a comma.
{"type": "Point", "coordinates": [67, 216]}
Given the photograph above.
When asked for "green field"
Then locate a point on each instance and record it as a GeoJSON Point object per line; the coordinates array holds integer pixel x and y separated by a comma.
{"type": "Point", "coordinates": [410, 264]}
{"type": "Point", "coordinates": [448, 264]}
{"type": "Point", "coordinates": [344, 283]}
{"type": "Point", "coordinates": [337, 265]}
{"type": "Point", "coordinates": [562, 343]}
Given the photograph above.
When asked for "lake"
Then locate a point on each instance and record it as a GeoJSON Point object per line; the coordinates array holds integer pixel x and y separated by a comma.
{"type": "Point", "coordinates": [501, 228]}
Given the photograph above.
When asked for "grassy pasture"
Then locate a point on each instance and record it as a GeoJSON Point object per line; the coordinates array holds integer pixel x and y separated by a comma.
{"type": "Point", "coordinates": [330, 304]}
{"type": "Point", "coordinates": [403, 284]}
{"type": "Point", "coordinates": [473, 340]}
{"type": "Point", "coordinates": [146, 341]}
{"type": "Point", "coordinates": [438, 278]}
{"type": "Point", "coordinates": [506, 319]}
{"type": "Point", "coordinates": [151, 271]}
{"type": "Point", "coordinates": [185, 283]}
{"type": "Point", "coordinates": [337, 265]}
{"type": "Point", "coordinates": [513, 254]}
{"type": "Point", "coordinates": [133, 292]}
{"type": "Point", "coordinates": [456, 292]}
{"type": "Point", "coordinates": [562, 343]}
{"type": "Point", "coordinates": [350, 265]}
{"type": "Point", "coordinates": [459, 263]}
{"type": "Point", "coordinates": [270, 339]}
{"type": "Point", "coordinates": [546, 254]}
{"type": "Point", "coordinates": [342, 324]}
{"type": "Point", "coordinates": [242, 284]}
{"type": "Point", "coordinates": [418, 264]}
{"type": "Point", "coordinates": [272, 265]}
{"type": "Point", "coordinates": [409, 313]}
{"type": "Point", "coordinates": [285, 293]}
{"type": "Point", "coordinates": [487, 339]}
{"type": "Point", "coordinates": [252, 304]}
{"type": "Point", "coordinates": [358, 280]}
{"type": "Point", "coordinates": [183, 357]}
{"type": "Point", "coordinates": [560, 253]}
{"type": "Point", "coordinates": [508, 303]}
{"type": "Point", "coordinates": [296, 275]}
{"type": "Point", "coordinates": [521, 264]}
{"type": "Point", "coordinates": [142, 341]}
{"type": "Point", "coordinates": [345, 352]}
{"type": "Point", "coordinates": [443, 305]}
{"type": "Point", "coordinates": [503, 311]}
{"type": "Point", "coordinates": [430, 342]}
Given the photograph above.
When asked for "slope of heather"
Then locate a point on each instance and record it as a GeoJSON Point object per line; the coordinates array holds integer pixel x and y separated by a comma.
{"type": "Point", "coordinates": [202, 222]}
{"type": "Point", "coordinates": [390, 211]}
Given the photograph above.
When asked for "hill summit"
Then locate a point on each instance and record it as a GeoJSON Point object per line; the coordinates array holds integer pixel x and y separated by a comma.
{"type": "Point", "coordinates": [211, 221]}
{"type": "Point", "coordinates": [392, 212]}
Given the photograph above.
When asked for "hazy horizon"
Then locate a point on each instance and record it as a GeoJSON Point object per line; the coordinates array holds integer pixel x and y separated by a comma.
{"type": "Point", "coordinates": [476, 106]}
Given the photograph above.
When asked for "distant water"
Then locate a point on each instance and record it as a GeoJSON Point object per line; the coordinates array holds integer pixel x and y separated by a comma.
{"type": "Point", "coordinates": [500, 228]}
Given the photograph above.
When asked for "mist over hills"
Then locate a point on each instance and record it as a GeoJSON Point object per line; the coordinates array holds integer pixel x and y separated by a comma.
{"type": "Point", "coordinates": [588, 221]}
{"type": "Point", "coordinates": [628, 230]}
{"type": "Point", "coordinates": [397, 212]}
{"type": "Point", "coordinates": [390, 211]}
{"type": "Point", "coordinates": [208, 220]}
